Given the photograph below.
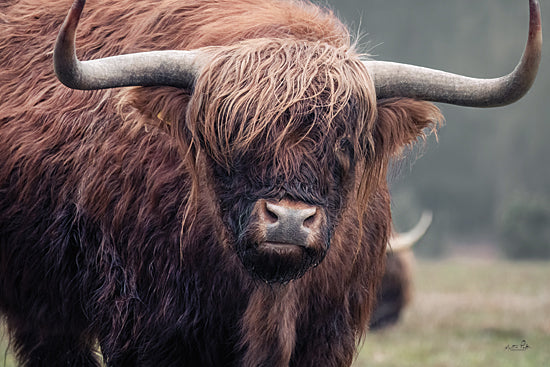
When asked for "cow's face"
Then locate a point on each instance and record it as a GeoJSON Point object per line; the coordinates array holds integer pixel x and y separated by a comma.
{"type": "Point", "coordinates": [281, 205]}
{"type": "Point", "coordinates": [283, 130]}
{"type": "Point", "coordinates": [289, 131]}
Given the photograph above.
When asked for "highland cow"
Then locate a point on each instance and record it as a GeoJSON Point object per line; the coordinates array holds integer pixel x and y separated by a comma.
{"type": "Point", "coordinates": [228, 208]}
{"type": "Point", "coordinates": [395, 291]}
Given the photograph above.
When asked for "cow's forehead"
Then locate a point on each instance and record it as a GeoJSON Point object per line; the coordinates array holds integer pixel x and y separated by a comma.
{"type": "Point", "coordinates": [272, 92]}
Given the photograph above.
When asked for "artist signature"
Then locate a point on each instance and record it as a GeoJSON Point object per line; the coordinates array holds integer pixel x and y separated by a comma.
{"type": "Point", "coordinates": [517, 348]}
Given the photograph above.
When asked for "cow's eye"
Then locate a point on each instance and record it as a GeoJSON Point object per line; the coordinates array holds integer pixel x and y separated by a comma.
{"type": "Point", "coordinates": [344, 146]}
{"type": "Point", "coordinates": [344, 154]}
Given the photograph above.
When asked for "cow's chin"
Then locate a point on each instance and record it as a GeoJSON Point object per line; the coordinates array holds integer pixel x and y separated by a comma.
{"type": "Point", "coordinates": [279, 262]}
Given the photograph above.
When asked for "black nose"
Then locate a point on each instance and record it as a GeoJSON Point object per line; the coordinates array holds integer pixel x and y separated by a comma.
{"type": "Point", "coordinates": [289, 222]}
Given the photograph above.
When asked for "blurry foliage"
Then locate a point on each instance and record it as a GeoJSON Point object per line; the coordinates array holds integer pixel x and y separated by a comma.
{"type": "Point", "coordinates": [524, 226]}
{"type": "Point", "coordinates": [481, 156]}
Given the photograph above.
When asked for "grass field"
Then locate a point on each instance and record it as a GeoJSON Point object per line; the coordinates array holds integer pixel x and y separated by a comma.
{"type": "Point", "coordinates": [465, 313]}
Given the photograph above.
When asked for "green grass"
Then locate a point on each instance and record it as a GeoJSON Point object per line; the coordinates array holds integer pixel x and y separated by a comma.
{"type": "Point", "coordinates": [464, 313]}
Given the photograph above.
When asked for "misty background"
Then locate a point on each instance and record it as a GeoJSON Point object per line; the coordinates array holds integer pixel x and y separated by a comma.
{"type": "Point", "coordinates": [486, 176]}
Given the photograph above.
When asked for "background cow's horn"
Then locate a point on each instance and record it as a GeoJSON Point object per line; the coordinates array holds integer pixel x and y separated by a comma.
{"type": "Point", "coordinates": [404, 241]}
{"type": "Point", "coordinates": [172, 68]}
{"type": "Point", "coordinates": [401, 80]}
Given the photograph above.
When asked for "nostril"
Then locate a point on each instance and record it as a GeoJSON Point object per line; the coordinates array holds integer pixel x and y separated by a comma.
{"type": "Point", "coordinates": [270, 213]}
{"type": "Point", "coordinates": [310, 221]}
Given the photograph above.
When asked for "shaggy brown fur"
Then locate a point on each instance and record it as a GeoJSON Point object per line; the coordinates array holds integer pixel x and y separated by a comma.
{"type": "Point", "coordinates": [121, 211]}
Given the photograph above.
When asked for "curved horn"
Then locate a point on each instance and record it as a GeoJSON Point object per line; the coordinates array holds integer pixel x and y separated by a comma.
{"type": "Point", "coordinates": [171, 68]}
{"type": "Point", "coordinates": [401, 80]}
{"type": "Point", "coordinates": [404, 241]}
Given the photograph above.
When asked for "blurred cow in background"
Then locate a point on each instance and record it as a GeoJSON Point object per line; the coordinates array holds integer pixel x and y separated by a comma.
{"type": "Point", "coordinates": [395, 291]}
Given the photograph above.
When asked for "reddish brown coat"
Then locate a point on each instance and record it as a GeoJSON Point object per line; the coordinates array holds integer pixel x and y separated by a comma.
{"type": "Point", "coordinates": [94, 188]}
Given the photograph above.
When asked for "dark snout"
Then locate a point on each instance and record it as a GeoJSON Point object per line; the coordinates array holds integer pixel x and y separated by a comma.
{"type": "Point", "coordinates": [289, 223]}
{"type": "Point", "coordinates": [285, 239]}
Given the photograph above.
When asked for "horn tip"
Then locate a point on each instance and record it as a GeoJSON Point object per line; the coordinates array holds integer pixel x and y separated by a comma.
{"type": "Point", "coordinates": [65, 61]}
{"type": "Point", "coordinates": [535, 23]}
